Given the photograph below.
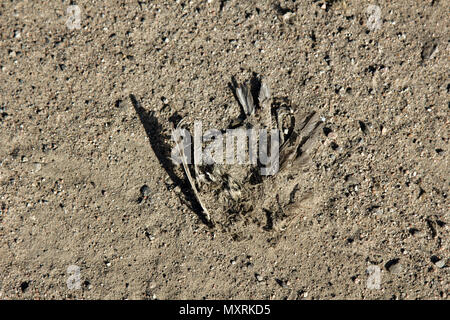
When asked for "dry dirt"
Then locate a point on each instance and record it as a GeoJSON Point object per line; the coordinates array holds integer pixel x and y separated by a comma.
{"type": "Point", "coordinates": [76, 151]}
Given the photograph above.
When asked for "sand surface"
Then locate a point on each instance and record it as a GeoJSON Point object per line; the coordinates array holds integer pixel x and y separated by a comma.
{"type": "Point", "coordinates": [75, 154]}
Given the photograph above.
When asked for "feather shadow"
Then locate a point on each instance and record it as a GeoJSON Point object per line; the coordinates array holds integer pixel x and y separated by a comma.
{"type": "Point", "coordinates": [162, 150]}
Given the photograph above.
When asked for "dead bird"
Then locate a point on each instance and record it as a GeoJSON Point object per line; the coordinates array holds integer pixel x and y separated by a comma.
{"type": "Point", "coordinates": [234, 194]}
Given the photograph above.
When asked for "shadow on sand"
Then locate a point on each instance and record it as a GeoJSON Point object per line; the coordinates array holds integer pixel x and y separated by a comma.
{"type": "Point", "coordinates": [162, 151]}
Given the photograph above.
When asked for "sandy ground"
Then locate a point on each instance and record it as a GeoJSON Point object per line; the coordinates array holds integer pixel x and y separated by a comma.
{"type": "Point", "coordinates": [75, 154]}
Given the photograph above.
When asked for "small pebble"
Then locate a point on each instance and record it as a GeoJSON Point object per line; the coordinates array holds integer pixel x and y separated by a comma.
{"type": "Point", "coordinates": [282, 283]}
{"type": "Point", "coordinates": [393, 266]}
{"type": "Point", "coordinates": [440, 263]}
{"type": "Point", "coordinates": [287, 16]}
{"type": "Point", "coordinates": [119, 103]}
{"type": "Point", "coordinates": [379, 212]}
{"type": "Point", "coordinates": [37, 167]}
{"type": "Point", "coordinates": [145, 191]}
{"type": "Point", "coordinates": [332, 135]}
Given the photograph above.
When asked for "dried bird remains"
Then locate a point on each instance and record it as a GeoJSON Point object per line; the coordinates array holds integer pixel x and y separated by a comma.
{"type": "Point", "coordinates": [234, 193]}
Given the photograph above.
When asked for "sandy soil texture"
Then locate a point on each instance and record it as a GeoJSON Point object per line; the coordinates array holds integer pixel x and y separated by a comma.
{"type": "Point", "coordinates": [91, 207]}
